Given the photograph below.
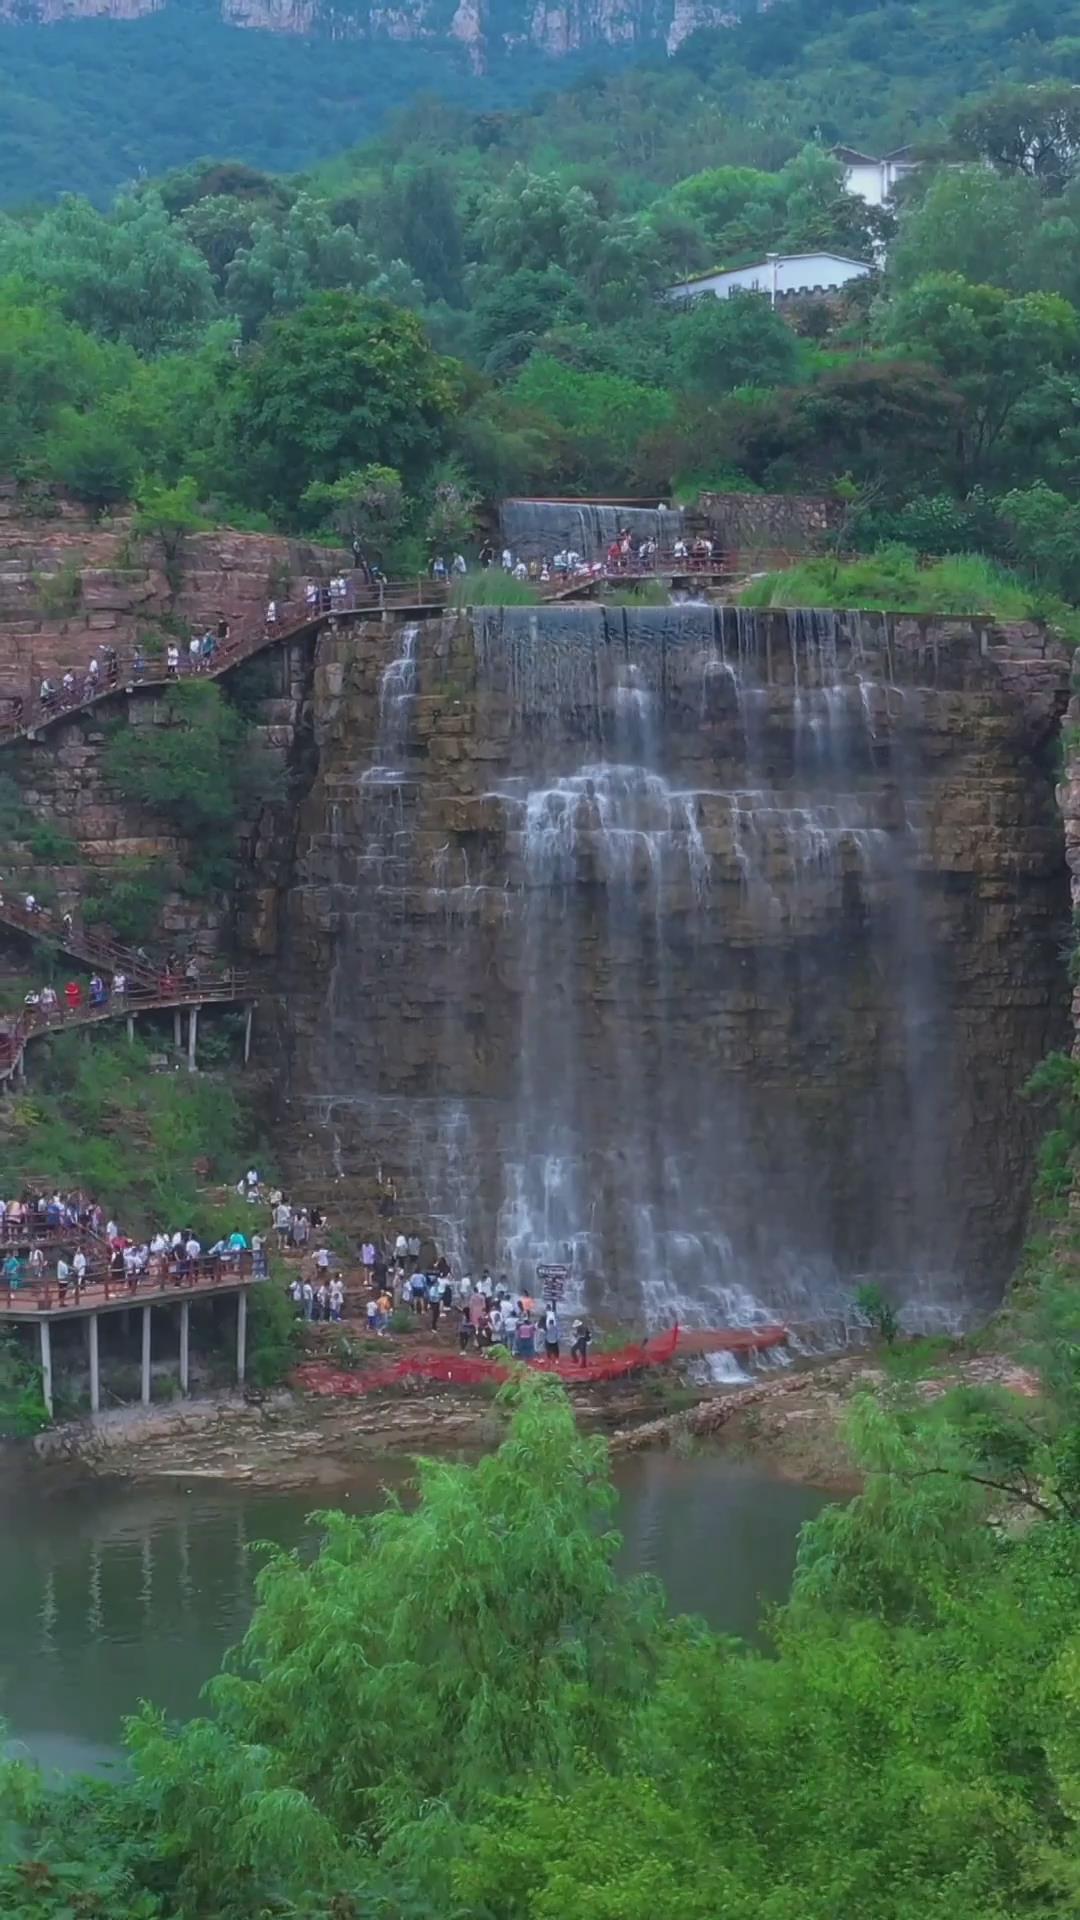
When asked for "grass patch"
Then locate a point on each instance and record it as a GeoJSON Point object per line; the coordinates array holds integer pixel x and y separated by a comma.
{"type": "Point", "coordinates": [650, 593]}
{"type": "Point", "coordinates": [494, 589]}
{"type": "Point", "coordinates": [890, 580]}
{"type": "Point", "coordinates": [917, 1359]}
{"type": "Point", "coordinates": [147, 1143]}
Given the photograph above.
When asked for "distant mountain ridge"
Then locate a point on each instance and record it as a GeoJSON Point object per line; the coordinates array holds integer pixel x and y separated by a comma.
{"type": "Point", "coordinates": [486, 29]}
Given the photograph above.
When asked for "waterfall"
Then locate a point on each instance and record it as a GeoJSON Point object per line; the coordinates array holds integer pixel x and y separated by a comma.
{"type": "Point", "coordinates": [538, 529]}
{"type": "Point", "coordinates": [639, 970]}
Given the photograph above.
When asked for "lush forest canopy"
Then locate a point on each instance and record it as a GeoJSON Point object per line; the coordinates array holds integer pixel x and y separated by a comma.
{"type": "Point", "coordinates": [471, 304]}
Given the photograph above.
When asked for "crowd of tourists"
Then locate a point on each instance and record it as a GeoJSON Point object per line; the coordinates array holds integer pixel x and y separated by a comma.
{"type": "Point", "coordinates": [50, 1005]}
{"type": "Point", "coordinates": [625, 554]}
{"type": "Point", "coordinates": [486, 1312]}
{"type": "Point", "coordinates": [71, 1240]}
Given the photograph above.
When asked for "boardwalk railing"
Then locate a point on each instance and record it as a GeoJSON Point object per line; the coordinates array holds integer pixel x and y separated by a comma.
{"type": "Point", "coordinates": [100, 949]}
{"type": "Point", "coordinates": [140, 998]}
{"type": "Point", "coordinates": [101, 1287]}
{"type": "Point", "coordinates": [26, 715]}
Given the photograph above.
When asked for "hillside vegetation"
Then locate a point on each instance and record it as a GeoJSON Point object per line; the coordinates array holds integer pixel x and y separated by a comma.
{"type": "Point", "coordinates": [466, 309]}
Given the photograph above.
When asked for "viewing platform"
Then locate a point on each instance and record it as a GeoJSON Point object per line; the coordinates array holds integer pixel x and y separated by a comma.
{"type": "Point", "coordinates": [39, 1303]}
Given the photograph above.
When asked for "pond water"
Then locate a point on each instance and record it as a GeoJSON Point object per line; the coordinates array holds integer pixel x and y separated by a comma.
{"type": "Point", "coordinates": [111, 1593]}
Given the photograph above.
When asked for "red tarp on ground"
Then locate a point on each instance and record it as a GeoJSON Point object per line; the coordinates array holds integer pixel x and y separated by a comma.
{"type": "Point", "coordinates": [468, 1370]}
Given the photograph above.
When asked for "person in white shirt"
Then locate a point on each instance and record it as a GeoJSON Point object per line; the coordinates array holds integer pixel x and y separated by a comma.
{"type": "Point", "coordinates": [172, 659]}
{"type": "Point", "coordinates": [78, 1267]}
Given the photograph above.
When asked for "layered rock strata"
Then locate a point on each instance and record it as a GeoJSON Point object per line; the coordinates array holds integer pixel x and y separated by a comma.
{"type": "Point", "coordinates": [705, 951]}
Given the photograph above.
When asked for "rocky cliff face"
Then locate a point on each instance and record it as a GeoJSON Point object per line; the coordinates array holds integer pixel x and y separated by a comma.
{"type": "Point", "coordinates": [552, 27]}
{"type": "Point", "coordinates": [703, 950]}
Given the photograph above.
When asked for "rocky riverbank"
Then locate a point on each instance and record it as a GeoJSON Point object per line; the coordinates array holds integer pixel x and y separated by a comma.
{"type": "Point", "coordinates": [791, 1423]}
{"type": "Point", "coordinates": [794, 1422]}
{"type": "Point", "coordinates": [294, 1439]}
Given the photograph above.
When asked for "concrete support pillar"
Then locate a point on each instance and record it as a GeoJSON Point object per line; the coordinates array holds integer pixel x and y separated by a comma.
{"type": "Point", "coordinates": [131, 1028]}
{"type": "Point", "coordinates": [192, 1037]}
{"type": "Point", "coordinates": [178, 1028]}
{"type": "Point", "coordinates": [241, 1338]}
{"type": "Point", "coordinates": [45, 1333]}
{"type": "Point", "coordinates": [95, 1366]}
{"type": "Point", "coordinates": [249, 1014]}
{"type": "Point", "coordinates": [185, 1336]}
{"type": "Point", "coordinates": [146, 1312]}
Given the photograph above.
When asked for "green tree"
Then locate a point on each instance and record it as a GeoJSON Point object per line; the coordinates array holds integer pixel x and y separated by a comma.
{"type": "Point", "coordinates": [166, 514]}
{"type": "Point", "coordinates": [369, 501]}
{"type": "Point", "coordinates": [346, 376]}
{"type": "Point", "coordinates": [1033, 130]}
{"type": "Point", "coordinates": [994, 349]}
{"type": "Point", "coordinates": [739, 342]}
{"type": "Point", "coordinates": [46, 364]}
{"type": "Point", "coordinates": [595, 423]}
{"type": "Point", "coordinates": [968, 218]}
{"type": "Point", "coordinates": [130, 276]}
{"type": "Point", "coordinates": [93, 454]}
{"type": "Point", "coordinates": [367, 1710]}
{"type": "Point", "coordinates": [451, 519]}
{"type": "Point", "coordinates": [428, 230]}
{"type": "Point", "coordinates": [291, 258]}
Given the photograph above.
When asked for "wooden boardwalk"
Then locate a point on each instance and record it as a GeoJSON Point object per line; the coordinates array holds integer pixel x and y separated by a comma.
{"type": "Point", "coordinates": [32, 1299]}
{"type": "Point", "coordinates": [27, 717]}
{"type": "Point", "coordinates": [168, 992]}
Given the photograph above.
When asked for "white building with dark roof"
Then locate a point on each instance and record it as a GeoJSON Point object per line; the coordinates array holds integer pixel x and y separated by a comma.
{"type": "Point", "coordinates": [779, 275]}
{"type": "Point", "coordinates": [871, 179]}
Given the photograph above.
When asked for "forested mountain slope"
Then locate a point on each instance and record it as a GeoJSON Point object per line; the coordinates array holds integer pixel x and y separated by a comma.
{"type": "Point", "coordinates": [94, 93]}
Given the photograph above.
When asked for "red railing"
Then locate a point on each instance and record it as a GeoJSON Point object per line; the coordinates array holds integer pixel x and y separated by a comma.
{"type": "Point", "coordinates": [140, 998]}
{"type": "Point", "coordinates": [102, 1287]}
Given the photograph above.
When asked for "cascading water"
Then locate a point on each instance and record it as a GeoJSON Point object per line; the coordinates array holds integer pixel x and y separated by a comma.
{"type": "Point", "coordinates": [538, 529]}
{"type": "Point", "coordinates": [637, 970]}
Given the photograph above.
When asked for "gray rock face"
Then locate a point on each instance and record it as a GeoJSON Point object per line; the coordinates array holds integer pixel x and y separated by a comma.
{"type": "Point", "coordinates": [704, 950]}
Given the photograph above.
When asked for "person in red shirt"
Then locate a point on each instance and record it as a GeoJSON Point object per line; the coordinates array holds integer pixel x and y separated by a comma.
{"type": "Point", "coordinates": [73, 995]}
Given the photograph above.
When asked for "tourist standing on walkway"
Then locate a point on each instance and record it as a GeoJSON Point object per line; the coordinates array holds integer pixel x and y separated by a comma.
{"type": "Point", "coordinates": [434, 1294]}
{"type": "Point", "coordinates": [551, 1334]}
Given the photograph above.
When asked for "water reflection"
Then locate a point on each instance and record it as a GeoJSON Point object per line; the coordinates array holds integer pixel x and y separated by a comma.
{"type": "Point", "coordinates": [113, 1594]}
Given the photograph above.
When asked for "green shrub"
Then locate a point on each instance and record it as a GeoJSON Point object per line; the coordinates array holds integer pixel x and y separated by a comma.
{"type": "Point", "coordinates": [872, 1302]}
{"type": "Point", "coordinates": [22, 1408]}
{"type": "Point", "coordinates": [50, 844]}
{"type": "Point", "coordinates": [128, 900]}
{"type": "Point", "coordinates": [273, 1334]}
{"type": "Point", "coordinates": [199, 768]}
